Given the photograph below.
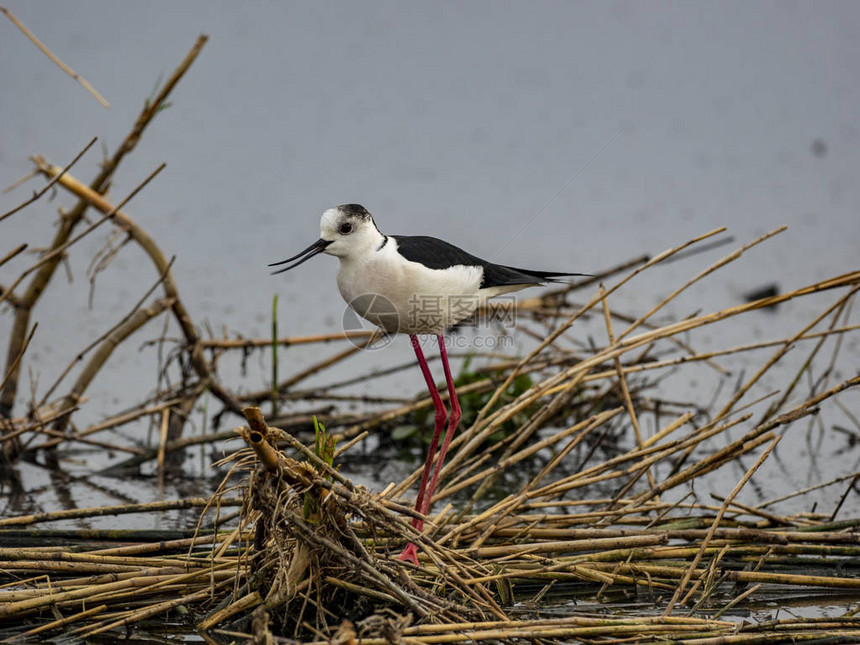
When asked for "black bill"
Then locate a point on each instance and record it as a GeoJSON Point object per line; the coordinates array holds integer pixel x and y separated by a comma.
{"type": "Point", "coordinates": [314, 249]}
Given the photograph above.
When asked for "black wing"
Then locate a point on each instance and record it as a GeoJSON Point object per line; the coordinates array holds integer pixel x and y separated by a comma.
{"type": "Point", "coordinates": [434, 253]}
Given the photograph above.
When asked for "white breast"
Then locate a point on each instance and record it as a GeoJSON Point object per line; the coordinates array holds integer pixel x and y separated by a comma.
{"type": "Point", "coordinates": [407, 297]}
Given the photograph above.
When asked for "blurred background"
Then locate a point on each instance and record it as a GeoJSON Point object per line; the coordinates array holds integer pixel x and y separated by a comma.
{"type": "Point", "coordinates": [557, 136]}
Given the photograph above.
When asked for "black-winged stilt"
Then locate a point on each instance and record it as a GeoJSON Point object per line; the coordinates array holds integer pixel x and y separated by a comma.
{"type": "Point", "coordinates": [413, 285]}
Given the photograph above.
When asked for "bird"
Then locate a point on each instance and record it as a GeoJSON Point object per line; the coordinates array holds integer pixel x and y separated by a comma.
{"type": "Point", "coordinates": [414, 285]}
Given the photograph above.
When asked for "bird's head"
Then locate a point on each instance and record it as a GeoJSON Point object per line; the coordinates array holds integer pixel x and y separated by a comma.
{"type": "Point", "coordinates": [345, 231]}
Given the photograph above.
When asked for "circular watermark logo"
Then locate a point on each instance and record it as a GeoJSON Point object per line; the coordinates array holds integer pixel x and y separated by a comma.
{"type": "Point", "coordinates": [370, 312]}
{"type": "Point", "coordinates": [427, 314]}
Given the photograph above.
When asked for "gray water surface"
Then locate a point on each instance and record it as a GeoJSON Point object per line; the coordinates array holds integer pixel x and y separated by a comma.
{"type": "Point", "coordinates": [559, 136]}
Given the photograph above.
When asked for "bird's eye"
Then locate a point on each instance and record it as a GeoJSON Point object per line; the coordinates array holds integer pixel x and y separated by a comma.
{"type": "Point", "coordinates": [345, 228]}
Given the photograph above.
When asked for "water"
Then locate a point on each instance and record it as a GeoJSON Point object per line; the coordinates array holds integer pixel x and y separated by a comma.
{"type": "Point", "coordinates": [560, 137]}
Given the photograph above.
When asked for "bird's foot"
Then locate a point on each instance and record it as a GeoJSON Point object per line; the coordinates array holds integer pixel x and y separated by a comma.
{"type": "Point", "coordinates": [410, 554]}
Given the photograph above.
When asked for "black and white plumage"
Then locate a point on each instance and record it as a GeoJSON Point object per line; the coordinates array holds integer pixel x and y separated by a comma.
{"type": "Point", "coordinates": [438, 254]}
{"type": "Point", "coordinates": [410, 284]}
{"type": "Point", "coordinates": [413, 285]}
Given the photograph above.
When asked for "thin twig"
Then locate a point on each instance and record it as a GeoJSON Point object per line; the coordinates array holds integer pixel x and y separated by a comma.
{"type": "Point", "coordinates": [68, 70]}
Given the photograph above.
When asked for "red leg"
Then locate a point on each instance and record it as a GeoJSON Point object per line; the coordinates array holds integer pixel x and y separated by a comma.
{"type": "Point", "coordinates": [453, 422]}
{"type": "Point", "coordinates": [410, 553]}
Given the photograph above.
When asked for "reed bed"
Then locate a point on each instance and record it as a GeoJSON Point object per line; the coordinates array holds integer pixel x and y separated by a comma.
{"type": "Point", "coordinates": [581, 502]}
{"type": "Point", "coordinates": [312, 557]}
